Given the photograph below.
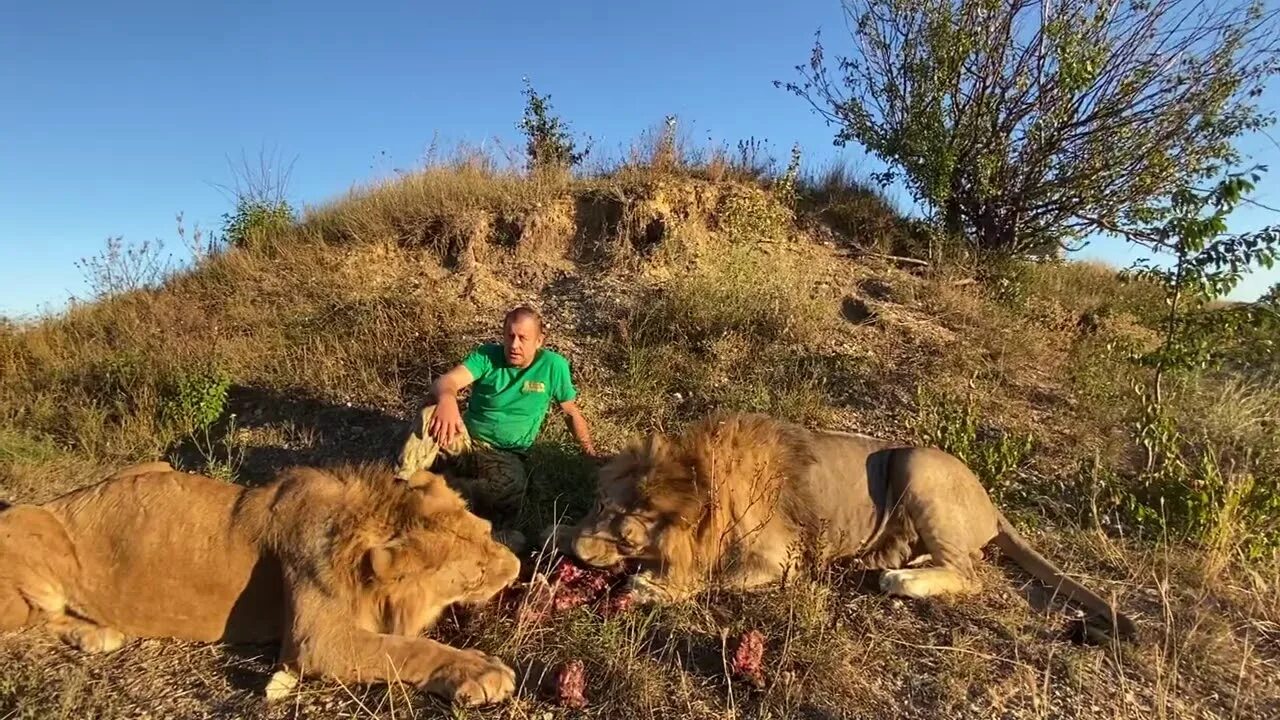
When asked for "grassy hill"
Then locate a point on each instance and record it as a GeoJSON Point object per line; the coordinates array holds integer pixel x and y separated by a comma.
{"type": "Point", "coordinates": [676, 287]}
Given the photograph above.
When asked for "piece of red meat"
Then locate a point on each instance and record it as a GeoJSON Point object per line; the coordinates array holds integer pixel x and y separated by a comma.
{"type": "Point", "coordinates": [571, 685]}
{"type": "Point", "coordinates": [748, 658]}
{"type": "Point", "coordinates": [569, 585]}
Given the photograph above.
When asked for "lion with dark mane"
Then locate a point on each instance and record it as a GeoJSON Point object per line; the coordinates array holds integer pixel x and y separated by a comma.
{"type": "Point", "coordinates": [731, 500]}
{"type": "Point", "coordinates": [344, 566]}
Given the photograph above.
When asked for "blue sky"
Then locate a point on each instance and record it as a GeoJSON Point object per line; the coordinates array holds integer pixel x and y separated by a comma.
{"type": "Point", "coordinates": [117, 116]}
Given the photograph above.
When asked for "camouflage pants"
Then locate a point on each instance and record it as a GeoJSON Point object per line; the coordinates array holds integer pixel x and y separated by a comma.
{"type": "Point", "coordinates": [493, 481]}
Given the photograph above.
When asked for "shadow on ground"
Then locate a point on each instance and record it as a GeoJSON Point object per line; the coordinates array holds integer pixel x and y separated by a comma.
{"type": "Point", "coordinates": [264, 431]}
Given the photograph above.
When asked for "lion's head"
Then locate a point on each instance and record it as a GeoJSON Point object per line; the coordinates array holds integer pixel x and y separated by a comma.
{"type": "Point", "coordinates": [678, 504]}
{"type": "Point", "coordinates": [644, 494]}
{"type": "Point", "coordinates": [410, 549]}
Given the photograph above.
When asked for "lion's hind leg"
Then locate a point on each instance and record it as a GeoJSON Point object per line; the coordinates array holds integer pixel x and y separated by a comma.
{"type": "Point", "coordinates": [935, 501]}
{"type": "Point", "coordinates": [943, 569]}
{"type": "Point", "coordinates": [949, 570]}
{"type": "Point", "coordinates": [925, 582]}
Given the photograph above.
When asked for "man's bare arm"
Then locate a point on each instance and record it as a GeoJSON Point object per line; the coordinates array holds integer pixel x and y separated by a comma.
{"type": "Point", "coordinates": [447, 423]}
{"type": "Point", "coordinates": [578, 426]}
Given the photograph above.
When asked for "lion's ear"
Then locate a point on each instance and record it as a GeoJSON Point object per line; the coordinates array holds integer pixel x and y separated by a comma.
{"type": "Point", "coordinates": [423, 479]}
{"type": "Point", "coordinates": [390, 561]}
{"type": "Point", "coordinates": [433, 492]}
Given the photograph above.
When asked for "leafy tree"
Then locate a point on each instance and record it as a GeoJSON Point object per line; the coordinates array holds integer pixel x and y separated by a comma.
{"type": "Point", "coordinates": [1027, 124]}
{"type": "Point", "coordinates": [548, 143]}
{"type": "Point", "coordinates": [1207, 264]}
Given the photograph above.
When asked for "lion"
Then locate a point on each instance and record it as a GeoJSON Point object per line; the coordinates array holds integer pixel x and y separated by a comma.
{"type": "Point", "coordinates": [731, 500]}
{"type": "Point", "coordinates": [345, 567]}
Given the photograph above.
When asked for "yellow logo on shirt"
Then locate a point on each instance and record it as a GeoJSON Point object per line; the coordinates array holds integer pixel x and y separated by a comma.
{"type": "Point", "coordinates": [532, 386]}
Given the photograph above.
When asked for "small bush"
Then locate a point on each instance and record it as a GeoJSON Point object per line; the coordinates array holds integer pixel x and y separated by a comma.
{"type": "Point", "coordinates": [195, 400]}
{"type": "Point", "coordinates": [548, 144]}
{"type": "Point", "coordinates": [994, 456]}
{"type": "Point", "coordinates": [752, 214]}
{"type": "Point", "coordinates": [257, 223]}
{"type": "Point", "coordinates": [1188, 493]}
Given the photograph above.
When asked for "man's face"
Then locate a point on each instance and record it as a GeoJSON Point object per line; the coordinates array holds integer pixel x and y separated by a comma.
{"type": "Point", "coordinates": [521, 339]}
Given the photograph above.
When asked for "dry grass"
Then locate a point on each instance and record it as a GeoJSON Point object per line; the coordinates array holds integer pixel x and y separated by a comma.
{"type": "Point", "coordinates": [676, 285]}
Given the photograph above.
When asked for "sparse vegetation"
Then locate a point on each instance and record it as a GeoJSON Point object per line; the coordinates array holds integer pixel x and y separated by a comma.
{"type": "Point", "coordinates": [953, 425]}
{"type": "Point", "coordinates": [548, 144]}
{"type": "Point", "coordinates": [123, 267]}
{"type": "Point", "coordinates": [319, 345]}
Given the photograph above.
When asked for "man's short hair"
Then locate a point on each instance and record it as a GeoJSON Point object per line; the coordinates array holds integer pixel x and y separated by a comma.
{"type": "Point", "coordinates": [522, 312]}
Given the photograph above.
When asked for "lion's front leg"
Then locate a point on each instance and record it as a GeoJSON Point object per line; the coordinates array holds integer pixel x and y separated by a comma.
{"type": "Point", "coordinates": [320, 644]}
{"type": "Point", "coordinates": [466, 677]}
{"type": "Point", "coordinates": [86, 636]}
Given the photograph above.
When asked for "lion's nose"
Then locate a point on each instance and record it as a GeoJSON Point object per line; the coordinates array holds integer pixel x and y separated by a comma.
{"type": "Point", "coordinates": [508, 565]}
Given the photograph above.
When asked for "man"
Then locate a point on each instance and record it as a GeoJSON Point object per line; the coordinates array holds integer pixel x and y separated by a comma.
{"type": "Point", "coordinates": [513, 386]}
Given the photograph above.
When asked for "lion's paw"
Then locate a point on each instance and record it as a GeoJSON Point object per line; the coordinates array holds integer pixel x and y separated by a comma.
{"type": "Point", "coordinates": [645, 590]}
{"type": "Point", "coordinates": [97, 639]}
{"type": "Point", "coordinates": [474, 678]}
{"type": "Point", "coordinates": [900, 582]}
{"type": "Point", "coordinates": [922, 582]}
{"type": "Point", "coordinates": [282, 683]}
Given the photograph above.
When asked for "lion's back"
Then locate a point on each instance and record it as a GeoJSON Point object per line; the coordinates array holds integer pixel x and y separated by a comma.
{"type": "Point", "coordinates": [160, 553]}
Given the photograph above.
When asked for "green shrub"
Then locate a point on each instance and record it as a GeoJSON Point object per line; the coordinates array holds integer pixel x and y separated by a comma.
{"type": "Point", "coordinates": [548, 144]}
{"type": "Point", "coordinates": [1187, 493]}
{"type": "Point", "coordinates": [195, 400]}
{"type": "Point", "coordinates": [752, 214]}
{"type": "Point", "coordinates": [257, 223]}
{"type": "Point", "coordinates": [993, 455]}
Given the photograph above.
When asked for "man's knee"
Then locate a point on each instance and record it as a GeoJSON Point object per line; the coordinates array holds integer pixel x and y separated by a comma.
{"type": "Point", "coordinates": [502, 478]}
{"type": "Point", "coordinates": [420, 450]}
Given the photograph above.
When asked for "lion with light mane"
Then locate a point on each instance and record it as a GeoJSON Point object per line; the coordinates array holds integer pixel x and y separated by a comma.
{"type": "Point", "coordinates": [730, 500]}
{"type": "Point", "coordinates": [344, 566]}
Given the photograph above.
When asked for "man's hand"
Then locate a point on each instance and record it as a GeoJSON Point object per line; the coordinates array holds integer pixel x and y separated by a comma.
{"type": "Point", "coordinates": [578, 426]}
{"type": "Point", "coordinates": [446, 424]}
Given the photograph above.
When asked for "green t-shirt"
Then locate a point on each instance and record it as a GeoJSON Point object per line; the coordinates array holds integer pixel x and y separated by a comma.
{"type": "Point", "coordinates": [508, 403]}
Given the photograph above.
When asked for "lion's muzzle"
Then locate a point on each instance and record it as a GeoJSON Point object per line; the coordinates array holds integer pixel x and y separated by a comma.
{"type": "Point", "coordinates": [596, 551]}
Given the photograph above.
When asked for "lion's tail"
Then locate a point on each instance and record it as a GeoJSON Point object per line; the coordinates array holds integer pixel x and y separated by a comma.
{"type": "Point", "coordinates": [1013, 544]}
